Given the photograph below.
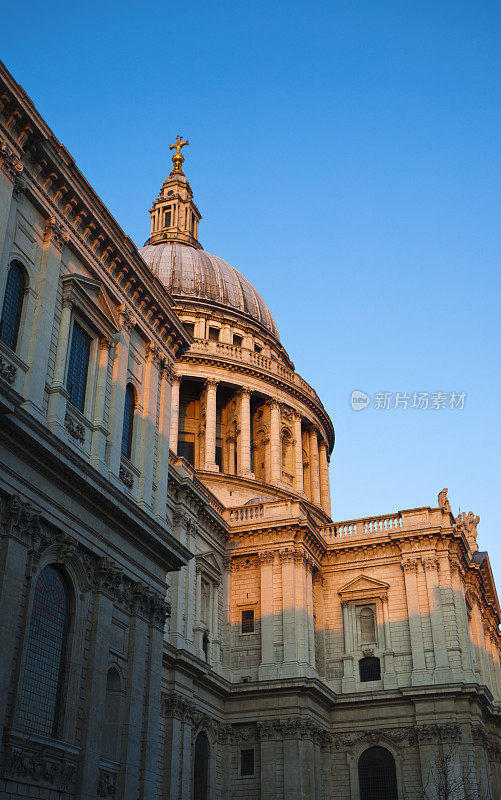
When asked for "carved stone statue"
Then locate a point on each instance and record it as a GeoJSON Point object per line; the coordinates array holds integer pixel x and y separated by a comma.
{"type": "Point", "coordinates": [468, 524]}
{"type": "Point", "coordinates": [443, 501]}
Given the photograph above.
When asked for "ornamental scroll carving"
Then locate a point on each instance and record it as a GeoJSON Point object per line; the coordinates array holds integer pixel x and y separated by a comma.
{"type": "Point", "coordinates": [415, 734]}
{"type": "Point", "coordinates": [106, 784]}
{"type": "Point", "coordinates": [31, 761]}
{"type": "Point", "coordinates": [75, 429]}
{"type": "Point", "coordinates": [100, 574]}
{"type": "Point", "coordinates": [10, 162]}
{"type": "Point", "coordinates": [7, 371]}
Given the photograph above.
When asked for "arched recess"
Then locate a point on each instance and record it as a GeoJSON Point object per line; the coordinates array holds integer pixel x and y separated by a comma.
{"type": "Point", "coordinates": [112, 721]}
{"type": "Point", "coordinates": [45, 658]}
{"type": "Point", "coordinates": [201, 767]}
{"type": "Point", "coordinates": [12, 304]}
{"type": "Point", "coordinates": [377, 774]}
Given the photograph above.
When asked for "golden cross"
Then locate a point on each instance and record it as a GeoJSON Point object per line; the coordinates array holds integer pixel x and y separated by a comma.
{"type": "Point", "coordinates": [179, 143]}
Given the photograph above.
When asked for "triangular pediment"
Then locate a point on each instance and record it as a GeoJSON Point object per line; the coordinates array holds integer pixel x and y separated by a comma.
{"type": "Point", "coordinates": [208, 562]}
{"type": "Point", "coordinates": [363, 584]}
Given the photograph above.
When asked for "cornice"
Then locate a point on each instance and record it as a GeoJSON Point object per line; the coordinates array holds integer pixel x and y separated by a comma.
{"type": "Point", "coordinates": [51, 179]}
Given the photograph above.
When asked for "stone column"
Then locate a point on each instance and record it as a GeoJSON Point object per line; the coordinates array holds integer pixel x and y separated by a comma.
{"type": "Point", "coordinates": [210, 426]}
{"type": "Point", "coordinates": [227, 617]}
{"type": "Point", "coordinates": [162, 464]}
{"type": "Point", "coordinates": [310, 612]}
{"type": "Point", "coordinates": [10, 185]}
{"type": "Point", "coordinates": [244, 440]}
{"type": "Point", "coordinates": [298, 447]}
{"type": "Point", "coordinates": [389, 676]}
{"type": "Point", "coordinates": [319, 606]}
{"type": "Point", "coordinates": [301, 628]}
{"type": "Point", "coordinates": [268, 753]}
{"type": "Point", "coordinates": [449, 614]}
{"type": "Point", "coordinates": [133, 732]}
{"type": "Point", "coordinates": [198, 627]}
{"type": "Point", "coordinates": [95, 692]}
{"type": "Point", "coordinates": [118, 386]}
{"type": "Point", "coordinates": [467, 659]}
{"type": "Point", "coordinates": [289, 608]}
{"type": "Point", "coordinates": [174, 414]}
{"type": "Point", "coordinates": [275, 454]}
{"type": "Point", "coordinates": [325, 495]}
{"type": "Point", "coordinates": [314, 467]}
{"type": "Point", "coordinates": [43, 319]}
{"type": "Point", "coordinates": [216, 642]}
{"type": "Point", "coordinates": [190, 592]}
{"type": "Point", "coordinates": [99, 431]}
{"type": "Point", "coordinates": [148, 425]}
{"type": "Point", "coordinates": [267, 668]}
{"type": "Point", "coordinates": [348, 680]}
{"type": "Point", "coordinates": [442, 670]}
{"type": "Point", "coordinates": [231, 455]}
{"type": "Point", "coordinates": [57, 392]}
{"type": "Point", "coordinates": [419, 672]}
{"type": "Point", "coordinates": [151, 704]}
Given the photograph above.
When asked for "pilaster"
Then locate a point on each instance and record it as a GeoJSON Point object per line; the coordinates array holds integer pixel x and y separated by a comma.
{"type": "Point", "coordinates": [420, 674]}
{"type": "Point", "coordinates": [210, 426]}
{"type": "Point", "coordinates": [99, 431]}
{"type": "Point", "coordinates": [148, 425]}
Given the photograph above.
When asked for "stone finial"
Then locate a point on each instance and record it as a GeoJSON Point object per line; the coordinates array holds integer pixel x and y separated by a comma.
{"type": "Point", "coordinates": [443, 501]}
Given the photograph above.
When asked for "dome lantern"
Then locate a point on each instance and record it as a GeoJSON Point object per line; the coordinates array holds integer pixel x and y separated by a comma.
{"type": "Point", "coordinates": [174, 215]}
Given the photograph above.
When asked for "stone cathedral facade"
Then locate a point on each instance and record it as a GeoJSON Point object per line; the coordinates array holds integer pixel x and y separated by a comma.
{"type": "Point", "coordinates": [181, 619]}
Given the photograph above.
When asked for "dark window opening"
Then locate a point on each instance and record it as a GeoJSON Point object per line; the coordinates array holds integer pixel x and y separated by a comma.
{"type": "Point", "coordinates": [247, 762]}
{"type": "Point", "coordinates": [167, 218]}
{"type": "Point", "coordinates": [377, 775]}
{"type": "Point", "coordinates": [248, 621]}
{"type": "Point", "coordinates": [205, 646]}
{"type": "Point", "coordinates": [186, 450]}
{"type": "Point", "coordinates": [214, 334]}
{"type": "Point", "coordinates": [128, 424]}
{"type": "Point", "coordinates": [201, 768]}
{"type": "Point", "coordinates": [190, 327]}
{"type": "Point", "coordinates": [370, 669]}
{"type": "Point", "coordinates": [45, 654]}
{"type": "Point", "coordinates": [219, 454]}
{"type": "Point", "coordinates": [78, 364]}
{"type": "Point", "coordinates": [258, 348]}
{"type": "Point", "coordinates": [237, 340]}
{"type": "Point", "coordinates": [12, 306]}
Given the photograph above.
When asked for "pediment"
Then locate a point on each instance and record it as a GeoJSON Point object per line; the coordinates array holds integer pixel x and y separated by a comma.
{"type": "Point", "coordinates": [364, 586]}
{"type": "Point", "coordinates": [208, 563]}
{"type": "Point", "coordinates": [90, 296]}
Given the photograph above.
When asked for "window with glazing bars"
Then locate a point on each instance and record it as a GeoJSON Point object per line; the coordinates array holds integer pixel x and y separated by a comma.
{"type": "Point", "coordinates": [12, 306]}
{"type": "Point", "coordinates": [247, 762]}
{"type": "Point", "coordinates": [78, 364]}
{"type": "Point", "coordinates": [45, 654]}
{"type": "Point", "coordinates": [248, 621]}
{"type": "Point", "coordinates": [128, 424]}
{"type": "Point", "coordinates": [370, 669]}
{"type": "Point", "coordinates": [377, 775]}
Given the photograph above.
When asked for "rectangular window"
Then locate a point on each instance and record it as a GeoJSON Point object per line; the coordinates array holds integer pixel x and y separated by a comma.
{"type": "Point", "coordinates": [190, 327]}
{"type": "Point", "coordinates": [246, 762]}
{"type": "Point", "coordinates": [257, 348]}
{"type": "Point", "coordinates": [78, 364]}
{"type": "Point", "coordinates": [248, 621]}
{"type": "Point", "coordinates": [214, 334]}
{"type": "Point", "coordinates": [237, 340]}
{"type": "Point", "coordinates": [167, 218]}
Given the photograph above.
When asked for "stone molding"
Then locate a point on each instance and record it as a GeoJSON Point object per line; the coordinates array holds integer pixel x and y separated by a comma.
{"type": "Point", "coordinates": [412, 735]}
{"type": "Point", "coordinates": [55, 233]}
{"type": "Point", "coordinates": [101, 574]}
{"type": "Point", "coordinates": [301, 727]}
{"type": "Point", "coordinates": [52, 764]}
{"type": "Point", "coordinates": [106, 783]}
{"type": "Point", "coordinates": [10, 162]}
{"type": "Point", "coordinates": [7, 371]}
{"type": "Point", "coordinates": [74, 428]}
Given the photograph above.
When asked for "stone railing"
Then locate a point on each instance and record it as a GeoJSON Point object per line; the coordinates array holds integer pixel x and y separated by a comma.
{"type": "Point", "coordinates": [265, 512]}
{"type": "Point", "coordinates": [242, 354]}
{"type": "Point", "coordinates": [363, 527]}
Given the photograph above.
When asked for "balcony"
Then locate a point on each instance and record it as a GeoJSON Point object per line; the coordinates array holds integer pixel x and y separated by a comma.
{"type": "Point", "coordinates": [231, 352]}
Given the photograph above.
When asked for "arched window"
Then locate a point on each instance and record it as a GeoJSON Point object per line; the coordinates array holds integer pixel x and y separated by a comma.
{"type": "Point", "coordinates": [112, 716]}
{"type": "Point", "coordinates": [370, 669]}
{"type": "Point", "coordinates": [12, 306]}
{"type": "Point", "coordinates": [367, 625]}
{"type": "Point", "coordinates": [201, 768]}
{"type": "Point", "coordinates": [377, 775]}
{"type": "Point", "coordinates": [128, 424]}
{"type": "Point", "coordinates": [45, 654]}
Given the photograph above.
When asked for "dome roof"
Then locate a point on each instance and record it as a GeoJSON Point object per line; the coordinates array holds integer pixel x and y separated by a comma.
{"type": "Point", "coordinates": [188, 273]}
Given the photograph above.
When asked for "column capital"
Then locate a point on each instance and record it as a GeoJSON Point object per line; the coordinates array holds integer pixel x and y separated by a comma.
{"type": "Point", "coordinates": [323, 443]}
{"type": "Point", "coordinates": [55, 233]}
{"type": "Point", "coordinates": [267, 557]}
{"type": "Point", "coordinates": [273, 403]}
{"type": "Point", "coordinates": [106, 343]}
{"type": "Point", "coordinates": [244, 392]}
{"type": "Point", "coordinates": [410, 565]}
{"type": "Point", "coordinates": [126, 318]}
{"type": "Point", "coordinates": [211, 383]}
{"type": "Point", "coordinates": [430, 563]}
{"type": "Point", "coordinates": [153, 354]}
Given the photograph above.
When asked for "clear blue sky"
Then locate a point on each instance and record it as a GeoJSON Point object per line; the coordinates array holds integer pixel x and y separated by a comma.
{"type": "Point", "coordinates": [346, 158]}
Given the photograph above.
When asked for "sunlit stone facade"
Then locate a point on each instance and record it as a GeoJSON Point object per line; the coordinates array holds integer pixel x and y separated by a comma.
{"type": "Point", "coordinates": [181, 618]}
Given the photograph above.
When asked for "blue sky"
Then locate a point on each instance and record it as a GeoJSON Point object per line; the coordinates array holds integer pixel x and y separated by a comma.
{"type": "Point", "coordinates": [346, 158]}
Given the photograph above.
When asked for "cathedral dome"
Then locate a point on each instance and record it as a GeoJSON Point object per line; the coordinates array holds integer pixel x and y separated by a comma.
{"type": "Point", "coordinates": [190, 273]}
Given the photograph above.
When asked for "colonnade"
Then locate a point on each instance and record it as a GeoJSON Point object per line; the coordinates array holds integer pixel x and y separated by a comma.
{"type": "Point", "coordinates": [317, 488]}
